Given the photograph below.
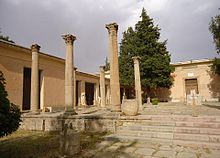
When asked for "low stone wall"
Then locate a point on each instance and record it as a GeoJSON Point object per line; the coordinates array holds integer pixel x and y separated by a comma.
{"type": "Point", "coordinates": [94, 123]}
{"type": "Point", "coordinates": [80, 123]}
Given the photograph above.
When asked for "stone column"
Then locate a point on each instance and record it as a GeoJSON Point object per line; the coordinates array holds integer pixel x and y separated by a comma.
{"type": "Point", "coordinates": [137, 81]}
{"type": "Point", "coordinates": [83, 93]}
{"type": "Point", "coordinates": [69, 80]}
{"type": "Point", "coordinates": [114, 69]}
{"type": "Point", "coordinates": [35, 78]}
{"type": "Point", "coordinates": [107, 95]}
{"type": "Point", "coordinates": [102, 86]}
{"type": "Point", "coordinates": [74, 85]}
{"type": "Point", "coordinates": [96, 98]}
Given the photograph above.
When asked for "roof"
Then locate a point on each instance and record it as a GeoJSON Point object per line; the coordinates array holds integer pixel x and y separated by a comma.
{"type": "Point", "coordinates": [197, 61]}
{"type": "Point", "coordinates": [28, 50]}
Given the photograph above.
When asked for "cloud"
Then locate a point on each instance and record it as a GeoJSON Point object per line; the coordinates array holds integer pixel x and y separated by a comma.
{"type": "Point", "coordinates": [184, 23]}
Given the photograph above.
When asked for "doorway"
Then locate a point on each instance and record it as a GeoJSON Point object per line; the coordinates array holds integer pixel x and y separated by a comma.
{"type": "Point", "coordinates": [191, 84]}
{"type": "Point", "coordinates": [89, 93]}
{"type": "Point", "coordinates": [26, 101]}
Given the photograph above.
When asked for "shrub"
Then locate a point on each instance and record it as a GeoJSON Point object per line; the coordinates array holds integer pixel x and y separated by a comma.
{"type": "Point", "coordinates": [9, 113]}
{"type": "Point", "coordinates": [155, 101]}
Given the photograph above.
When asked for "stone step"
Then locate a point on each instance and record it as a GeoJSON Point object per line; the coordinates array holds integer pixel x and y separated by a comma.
{"type": "Point", "coordinates": [189, 130]}
{"type": "Point", "coordinates": [195, 130]}
{"type": "Point", "coordinates": [146, 134]}
{"type": "Point", "coordinates": [164, 141]}
{"type": "Point", "coordinates": [187, 143]}
{"type": "Point", "coordinates": [172, 136]}
{"type": "Point", "coordinates": [182, 118]}
{"type": "Point", "coordinates": [197, 124]}
{"type": "Point", "coordinates": [148, 128]}
{"type": "Point", "coordinates": [117, 137]}
{"type": "Point", "coordinates": [197, 137]}
{"type": "Point", "coordinates": [148, 123]}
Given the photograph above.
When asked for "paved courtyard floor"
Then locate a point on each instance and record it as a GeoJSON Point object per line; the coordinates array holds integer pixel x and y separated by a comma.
{"type": "Point", "coordinates": [207, 109]}
{"type": "Point", "coordinates": [132, 149]}
{"type": "Point", "coordinates": [137, 149]}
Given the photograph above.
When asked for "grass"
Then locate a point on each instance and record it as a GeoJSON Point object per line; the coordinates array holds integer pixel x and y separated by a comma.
{"type": "Point", "coordinates": [38, 144]}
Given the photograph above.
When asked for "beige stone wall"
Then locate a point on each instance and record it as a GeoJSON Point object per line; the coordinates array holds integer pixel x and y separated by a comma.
{"type": "Point", "coordinates": [208, 84]}
{"type": "Point", "coordinates": [14, 58]}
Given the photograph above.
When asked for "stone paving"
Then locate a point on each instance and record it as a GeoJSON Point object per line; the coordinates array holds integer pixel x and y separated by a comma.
{"type": "Point", "coordinates": [208, 109]}
{"type": "Point", "coordinates": [133, 149]}
{"type": "Point", "coordinates": [148, 149]}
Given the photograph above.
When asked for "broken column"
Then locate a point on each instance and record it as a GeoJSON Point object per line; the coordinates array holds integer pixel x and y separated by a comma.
{"type": "Point", "coordinates": [69, 81]}
{"type": "Point", "coordinates": [35, 78]}
{"type": "Point", "coordinates": [102, 86]}
{"type": "Point", "coordinates": [114, 68]}
{"type": "Point", "coordinates": [137, 81]}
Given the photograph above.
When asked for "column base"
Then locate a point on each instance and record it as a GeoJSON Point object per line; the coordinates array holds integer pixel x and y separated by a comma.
{"type": "Point", "coordinates": [116, 108]}
{"type": "Point", "coordinates": [69, 111]}
{"type": "Point", "coordinates": [33, 113]}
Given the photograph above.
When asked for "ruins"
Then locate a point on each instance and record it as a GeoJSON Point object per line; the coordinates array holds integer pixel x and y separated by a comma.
{"type": "Point", "coordinates": [47, 88]}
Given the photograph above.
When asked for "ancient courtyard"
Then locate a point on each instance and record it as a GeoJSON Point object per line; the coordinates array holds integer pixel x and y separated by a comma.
{"type": "Point", "coordinates": [139, 104]}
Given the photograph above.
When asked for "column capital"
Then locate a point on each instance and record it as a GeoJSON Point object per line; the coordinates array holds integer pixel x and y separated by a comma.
{"type": "Point", "coordinates": [69, 39]}
{"type": "Point", "coordinates": [102, 68]}
{"type": "Point", "coordinates": [35, 48]}
{"type": "Point", "coordinates": [112, 27]}
{"type": "Point", "coordinates": [136, 58]}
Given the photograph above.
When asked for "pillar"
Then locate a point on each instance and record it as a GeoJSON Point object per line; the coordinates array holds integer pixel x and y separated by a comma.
{"type": "Point", "coordinates": [107, 94]}
{"type": "Point", "coordinates": [83, 93]}
{"type": "Point", "coordinates": [96, 97]}
{"type": "Point", "coordinates": [114, 69]}
{"type": "Point", "coordinates": [102, 86]}
{"type": "Point", "coordinates": [137, 81]}
{"type": "Point", "coordinates": [74, 85]}
{"type": "Point", "coordinates": [69, 80]}
{"type": "Point", "coordinates": [35, 78]}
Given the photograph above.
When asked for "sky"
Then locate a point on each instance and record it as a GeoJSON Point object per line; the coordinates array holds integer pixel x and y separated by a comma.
{"type": "Point", "coordinates": [184, 23]}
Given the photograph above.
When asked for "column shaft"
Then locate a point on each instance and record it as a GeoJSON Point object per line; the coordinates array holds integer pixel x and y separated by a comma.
{"type": "Point", "coordinates": [102, 86]}
{"type": "Point", "coordinates": [137, 81]}
{"type": "Point", "coordinates": [114, 68]}
{"type": "Point", "coordinates": [83, 93]}
{"type": "Point", "coordinates": [35, 78]}
{"type": "Point", "coordinates": [69, 76]}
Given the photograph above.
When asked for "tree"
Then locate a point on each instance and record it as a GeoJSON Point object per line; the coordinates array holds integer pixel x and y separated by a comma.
{"type": "Point", "coordinates": [5, 38]}
{"type": "Point", "coordinates": [107, 64]}
{"type": "Point", "coordinates": [214, 27]}
{"type": "Point", "coordinates": [155, 65]}
{"type": "Point", "coordinates": [9, 113]}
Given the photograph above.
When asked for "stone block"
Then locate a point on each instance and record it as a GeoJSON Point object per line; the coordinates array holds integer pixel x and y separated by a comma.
{"type": "Point", "coordinates": [130, 107]}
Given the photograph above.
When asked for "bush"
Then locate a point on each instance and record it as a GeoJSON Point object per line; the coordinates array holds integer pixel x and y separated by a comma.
{"type": "Point", "coordinates": [9, 113]}
{"type": "Point", "coordinates": [155, 101]}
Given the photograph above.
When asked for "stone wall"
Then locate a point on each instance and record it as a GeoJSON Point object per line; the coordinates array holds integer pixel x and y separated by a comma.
{"type": "Point", "coordinates": [80, 123]}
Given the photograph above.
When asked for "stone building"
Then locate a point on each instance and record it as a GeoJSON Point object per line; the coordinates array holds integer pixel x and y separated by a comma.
{"type": "Point", "coordinates": [15, 63]}
{"type": "Point", "coordinates": [195, 75]}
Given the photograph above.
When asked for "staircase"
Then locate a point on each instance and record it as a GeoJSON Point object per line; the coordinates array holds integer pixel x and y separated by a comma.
{"type": "Point", "coordinates": [184, 130]}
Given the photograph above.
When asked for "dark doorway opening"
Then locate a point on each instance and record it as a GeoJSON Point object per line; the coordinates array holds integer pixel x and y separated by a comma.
{"type": "Point", "coordinates": [191, 84]}
{"type": "Point", "coordinates": [27, 89]}
{"type": "Point", "coordinates": [89, 93]}
{"type": "Point", "coordinates": [77, 91]}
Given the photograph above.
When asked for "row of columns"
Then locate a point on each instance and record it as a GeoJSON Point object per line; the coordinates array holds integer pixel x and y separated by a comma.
{"type": "Point", "coordinates": [70, 75]}
{"type": "Point", "coordinates": [70, 80]}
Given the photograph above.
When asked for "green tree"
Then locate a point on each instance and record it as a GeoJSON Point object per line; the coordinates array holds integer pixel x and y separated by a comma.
{"type": "Point", "coordinates": [9, 113]}
{"type": "Point", "coordinates": [214, 27]}
{"type": "Point", "coordinates": [5, 38]}
{"type": "Point", "coordinates": [107, 64]}
{"type": "Point", "coordinates": [143, 41]}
